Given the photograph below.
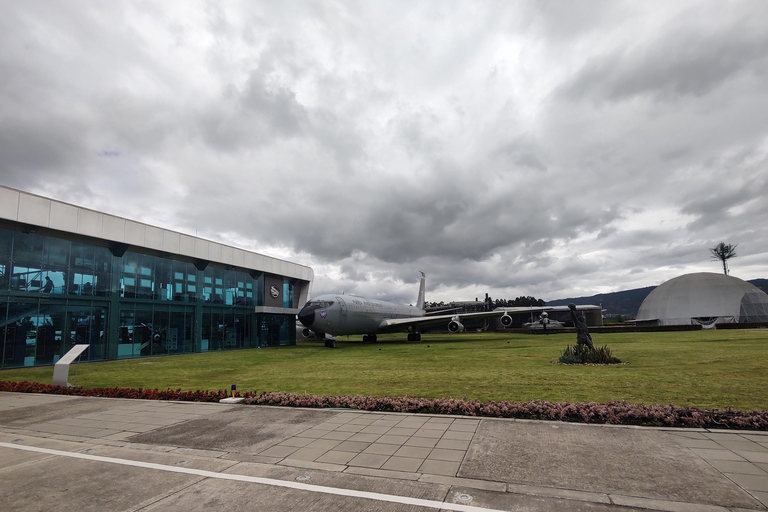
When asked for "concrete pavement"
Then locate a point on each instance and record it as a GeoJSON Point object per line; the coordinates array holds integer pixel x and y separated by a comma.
{"type": "Point", "coordinates": [76, 453]}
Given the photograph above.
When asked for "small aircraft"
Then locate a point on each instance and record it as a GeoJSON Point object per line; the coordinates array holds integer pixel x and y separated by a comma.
{"type": "Point", "coordinates": [328, 316]}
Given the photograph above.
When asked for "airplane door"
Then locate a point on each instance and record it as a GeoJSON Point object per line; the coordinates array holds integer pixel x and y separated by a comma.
{"type": "Point", "coordinates": [342, 305]}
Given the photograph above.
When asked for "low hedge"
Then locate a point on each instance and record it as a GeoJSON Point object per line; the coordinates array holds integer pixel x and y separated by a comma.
{"type": "Point", "coordinates": [613, 413]}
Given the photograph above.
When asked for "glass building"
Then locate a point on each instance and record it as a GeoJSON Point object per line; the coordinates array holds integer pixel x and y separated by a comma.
{"type": "Point", "coordinates": [70, 275]}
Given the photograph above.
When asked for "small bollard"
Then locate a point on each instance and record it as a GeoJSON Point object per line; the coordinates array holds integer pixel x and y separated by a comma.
{"type": "Point", "coordinates": [232, 399]}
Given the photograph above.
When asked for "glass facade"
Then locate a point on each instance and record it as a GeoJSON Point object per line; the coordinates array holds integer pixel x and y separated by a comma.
{"type": "Point", "coordinates": [56, 292]}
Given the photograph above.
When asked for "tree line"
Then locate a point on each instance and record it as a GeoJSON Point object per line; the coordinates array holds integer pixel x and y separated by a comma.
{"type": "Point", "coordinates": [522, 301]}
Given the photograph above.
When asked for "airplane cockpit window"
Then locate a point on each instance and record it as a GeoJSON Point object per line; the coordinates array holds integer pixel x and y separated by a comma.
{"type": "Point", "coordinates": [321, 303]}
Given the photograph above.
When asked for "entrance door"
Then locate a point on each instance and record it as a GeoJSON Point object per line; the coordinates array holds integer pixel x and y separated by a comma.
{"type": "Point", "coordinates": [342, 305]}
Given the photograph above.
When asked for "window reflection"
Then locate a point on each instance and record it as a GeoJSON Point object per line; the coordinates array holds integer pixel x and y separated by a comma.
{"type": "Point", "coordinates": [41, 333]}
{"type": "Point", "coordinates": [53, 295]}
{"type": "Point", "coordinates": [287, 293]}
{"type": "Point", "coordinates": [224, 329]}
{"type": "Point", "coordinates": [276, 330]}
{"type": "Point", "coordinates": [6, 244]}
{"type": "Point", "coordinates": [230, 287]}
{"type": "Point", "coordinates": [90, 270]}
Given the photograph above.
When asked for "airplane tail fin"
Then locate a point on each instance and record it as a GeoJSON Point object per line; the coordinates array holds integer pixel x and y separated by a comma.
{"type": "Point", "coordinates": [420, 302]}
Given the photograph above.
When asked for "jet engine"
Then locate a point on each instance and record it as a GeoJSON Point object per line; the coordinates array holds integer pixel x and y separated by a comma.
{"type": "Point", "coordinates": [304, 332]}
{"type": "Point", "coordinates": [505, 320]}
{"type": "Point", "coordinates": [455, 325]}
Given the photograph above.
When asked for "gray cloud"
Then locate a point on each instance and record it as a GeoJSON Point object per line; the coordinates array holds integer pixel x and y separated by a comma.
{"type": "Point", "coordinates": [686, 59]}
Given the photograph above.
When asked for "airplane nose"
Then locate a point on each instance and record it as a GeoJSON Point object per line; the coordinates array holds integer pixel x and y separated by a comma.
{"type": "Point", "coordinates": [307, 316]}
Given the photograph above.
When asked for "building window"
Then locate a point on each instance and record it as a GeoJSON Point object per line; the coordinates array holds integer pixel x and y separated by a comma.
{"type": "Point", "coordinates": [54, 294]}
{"type": "Point", "coordinates": [287, 293]}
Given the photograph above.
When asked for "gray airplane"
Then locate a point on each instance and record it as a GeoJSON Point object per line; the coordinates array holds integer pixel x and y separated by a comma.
{"type": "Point", "coordinates": [337, 315]}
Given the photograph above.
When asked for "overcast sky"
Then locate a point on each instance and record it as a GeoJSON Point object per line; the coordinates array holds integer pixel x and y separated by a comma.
{"type": "Point", "coordinates": [553, 149]}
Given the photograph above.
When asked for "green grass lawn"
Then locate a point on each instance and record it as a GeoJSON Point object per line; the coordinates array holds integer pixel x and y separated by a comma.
{"type": "Point", "coordinates": [725, 368]}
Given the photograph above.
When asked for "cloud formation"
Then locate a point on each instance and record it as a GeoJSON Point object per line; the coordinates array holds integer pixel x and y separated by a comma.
{"type": "Point", "coordinates": [549, 149]}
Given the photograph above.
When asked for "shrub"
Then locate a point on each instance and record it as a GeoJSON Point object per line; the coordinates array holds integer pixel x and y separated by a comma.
{"type": "Point", "coordinates": [582, 354]}
{"type": "Point", "coordinates": [615, 413]}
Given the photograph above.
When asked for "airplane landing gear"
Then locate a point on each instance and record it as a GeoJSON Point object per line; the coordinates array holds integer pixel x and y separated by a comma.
{"type": "Point", "coordinates": [414, 336]}
{"type": "Point", "coordinates": [330, 343]}
{"type": "Point", "coordinates": [369, 338]}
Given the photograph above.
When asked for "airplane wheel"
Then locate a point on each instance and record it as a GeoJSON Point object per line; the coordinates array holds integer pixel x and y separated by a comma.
{"type": "Point", "coordinates": [417, 336]}
{"type": "Point", "coordinates": [373, 338]}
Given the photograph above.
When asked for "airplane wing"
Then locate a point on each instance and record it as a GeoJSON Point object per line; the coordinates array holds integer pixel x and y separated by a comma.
{"type": "Point", "coordinates": [454, 321]}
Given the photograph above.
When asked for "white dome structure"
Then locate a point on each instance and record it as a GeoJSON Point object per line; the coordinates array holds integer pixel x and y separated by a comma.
{"type": "Point", "coordinates": [706, 299]}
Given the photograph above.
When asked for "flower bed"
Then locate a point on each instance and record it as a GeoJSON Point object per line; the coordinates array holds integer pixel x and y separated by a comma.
{"type": "Point", "coordinates": [613, 413]}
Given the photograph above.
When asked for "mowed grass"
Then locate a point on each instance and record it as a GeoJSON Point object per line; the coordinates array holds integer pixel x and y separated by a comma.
{"type": "Point", "coordinates": [726, 368]}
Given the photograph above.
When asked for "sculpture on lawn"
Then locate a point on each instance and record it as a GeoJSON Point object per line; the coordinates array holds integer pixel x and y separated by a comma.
{"type": "Point", "coordinates": [580, 323]}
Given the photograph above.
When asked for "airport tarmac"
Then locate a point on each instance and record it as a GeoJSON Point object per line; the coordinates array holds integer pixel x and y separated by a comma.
{"type": "Point", "coordinates": [80, 454]}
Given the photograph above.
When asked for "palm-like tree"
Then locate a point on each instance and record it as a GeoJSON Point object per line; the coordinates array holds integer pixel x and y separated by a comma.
{"type": "Point", "coordinates": [723, 252]}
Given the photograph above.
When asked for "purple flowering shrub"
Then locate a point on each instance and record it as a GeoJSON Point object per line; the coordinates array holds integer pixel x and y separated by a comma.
{"type": "Point", "coordinates": [614, 413]}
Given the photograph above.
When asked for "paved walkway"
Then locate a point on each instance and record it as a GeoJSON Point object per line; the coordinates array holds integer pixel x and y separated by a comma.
{"type": "Point", "coordinates": [405, 443]}
{"type": "Point", "coordinates": [74, 453]}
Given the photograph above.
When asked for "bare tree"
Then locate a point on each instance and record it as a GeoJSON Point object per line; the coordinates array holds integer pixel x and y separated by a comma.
{"type": "Point", "coordinates": [723, 252]}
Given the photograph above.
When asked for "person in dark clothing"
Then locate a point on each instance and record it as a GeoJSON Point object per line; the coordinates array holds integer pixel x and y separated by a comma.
{"type": "Point", "coordinates": [48, 288]}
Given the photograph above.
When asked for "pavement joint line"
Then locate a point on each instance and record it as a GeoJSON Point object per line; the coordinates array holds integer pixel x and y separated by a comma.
{"type": "Point", "coordinates": [663, 505]}
{"type": "Point", "coordinates": [390, 498]}
{"type": "Point", "coordinates": [167, 494]}
{"type": "Point", "coordinates": [728, 475]}
{"type": "Point", "coordinates": [22, 464]}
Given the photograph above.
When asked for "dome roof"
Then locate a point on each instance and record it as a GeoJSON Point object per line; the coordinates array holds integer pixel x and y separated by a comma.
{"type": "Point", "coordinates": [704, 298]}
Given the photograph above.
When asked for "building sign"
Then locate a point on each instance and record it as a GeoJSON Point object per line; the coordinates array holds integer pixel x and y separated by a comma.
{"type": "Point", "coordinates": [273, 291]}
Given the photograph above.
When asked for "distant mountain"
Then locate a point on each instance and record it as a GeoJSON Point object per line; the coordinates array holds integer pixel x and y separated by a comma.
{"type": "Point", "coordinates": [760, 283]}
{"type": "Point", "coordinates": [625, 303]}
{"type": "Point", "coordinates": [628, 302]}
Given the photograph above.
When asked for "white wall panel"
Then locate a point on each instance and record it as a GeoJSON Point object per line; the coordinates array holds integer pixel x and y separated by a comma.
{"type": "Point", "coordinates": [9, 203]}
{"type": "Point", "coordinates": [34, 210]}
{"type": "Point", "coordinates": [201, 248]}
{"type": "Point", "coordinates": [153, 238]}
{"type": "Point", "coordinates": [63, 217]}
{"type": "Point", "coordinates": [238, 258]}
{"type": "Point", "coordinates": [89, 223]}
{"type": "Point", "coordinates": [187, 245]}
{"type": "Point", "coordinates": [135, 233]}
{"type": "Point", "coordinates": [227, 254]}
{"type": "Point", "coordinates": [214, 251]}
{"type": "Point", "coordinates": [113, 228]}
{"type": "Point", "coordinates": [171, 241]}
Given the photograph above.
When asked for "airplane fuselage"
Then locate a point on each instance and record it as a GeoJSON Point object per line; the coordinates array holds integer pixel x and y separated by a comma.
{"type": "Point", "coordinates": [339, 315]}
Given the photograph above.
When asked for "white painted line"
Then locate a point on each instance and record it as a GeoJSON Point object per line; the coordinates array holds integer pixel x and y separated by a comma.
{"type": "Point", "coordinates": [257, 480]}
